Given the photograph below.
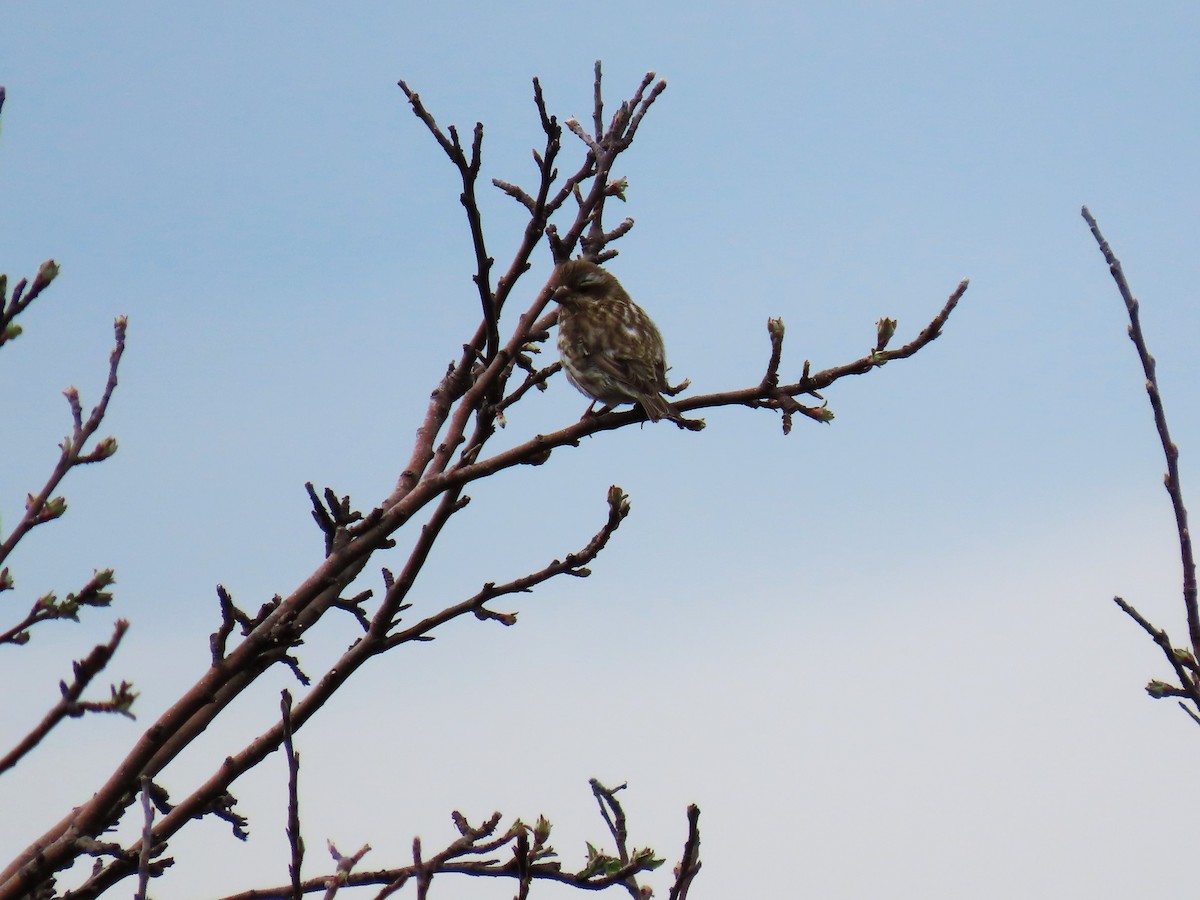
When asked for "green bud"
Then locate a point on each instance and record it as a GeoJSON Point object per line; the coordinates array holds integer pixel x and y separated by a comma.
{"type": "Point", "coordinates": [1183, 656]}
{"type": "Point", "coordinates": [1159, 689]}
{"type": "Point", "coordinates": [12, 330]}
{"type": "Point", "coordinates": [884, 329]}
{"type": "Point", "coordinates": [46, 274]}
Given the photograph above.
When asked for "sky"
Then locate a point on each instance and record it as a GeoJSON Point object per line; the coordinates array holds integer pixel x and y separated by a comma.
{"type": "Point", "coordinates": [881, 654]}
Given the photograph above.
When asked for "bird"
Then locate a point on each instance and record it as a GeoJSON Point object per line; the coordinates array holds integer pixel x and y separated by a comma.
{"type": "Point", "coordinates": [610, 349]}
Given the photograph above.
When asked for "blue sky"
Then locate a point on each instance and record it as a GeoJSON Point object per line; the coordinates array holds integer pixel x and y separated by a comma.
{"type": "Point", "coordinates": [881, 654]}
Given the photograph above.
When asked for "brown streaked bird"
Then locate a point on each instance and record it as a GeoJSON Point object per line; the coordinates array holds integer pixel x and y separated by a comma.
{"type": "Point", "coordinates": [610, 349]}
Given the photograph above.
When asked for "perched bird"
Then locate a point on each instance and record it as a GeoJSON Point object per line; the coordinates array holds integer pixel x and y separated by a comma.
{"type": "Point", "coordinates": [610, 349]}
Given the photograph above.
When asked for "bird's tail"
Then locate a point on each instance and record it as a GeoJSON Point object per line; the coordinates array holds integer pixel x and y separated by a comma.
{"type": "Point", "coordinates": [658, 408]}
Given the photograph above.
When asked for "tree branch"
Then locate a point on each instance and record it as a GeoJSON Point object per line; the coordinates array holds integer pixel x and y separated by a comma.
{"type": "Point", "coordinates": [1181, 660]}
{"type": "Point", "coordinates": [449, 452]}
{"type": "Point", "coordinates": [1170, 451]}
{"type": "Point", "coordinates": [572, 564]}
{"type": "Point", "coordinates": [120, 701]}
{"type": "Point", "coordinates": [40, 508]}
{"type": "Point", "coordinates": [530, 861]}
{"type": "Point", "coordinates": [373, 643]}
{"type": "Point", "coordinates": [20, 301]}
{"type": "Point", "coordinates": [295, 840]}
{"type": "Point", "coordinates": [468, 170]}
{"type": "Point", "coordinates": [689, 863]}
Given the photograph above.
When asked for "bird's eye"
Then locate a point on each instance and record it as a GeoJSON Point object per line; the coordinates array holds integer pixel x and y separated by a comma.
{"type": "Point", "coordinates": [590, 280]}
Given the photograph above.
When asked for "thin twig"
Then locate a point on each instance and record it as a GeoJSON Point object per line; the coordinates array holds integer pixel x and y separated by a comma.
{"type": "Point", "coordinates": [21, 300]}
{"type": "Point", "coordinates": [572, 564]}
{"type": "Point", "coordinates": [1170, 450]}
{"type": "Point", "coordinates": [71, 705]}
{"type": "Point", "coordinates": [1178, 660]}
{"type": "Point", "coordinates": [41, 508]}
{"type": "Point", "coordinates": [529, 863]}
{"type": "Point", "coordinates": [147, 841]}
{"type": "Point", "coordinates": [48, 607]}
{"type": "Point", "coordinates": [295, 840]}
{"type": "Point", "coordinates": [468, 169]}
{"type": "Point", "coordinates": [1191, 714]}
{"type": "Point", "coordinates": [394, 879]}
{"type": "Point", "coordinates": [689, 863]}
{"type": "Point", "coordinates": [534, 379]}
{"type": "Point", "coordinates": [613, 815]}
{"type": "Point", "coordinates": [345, 866]}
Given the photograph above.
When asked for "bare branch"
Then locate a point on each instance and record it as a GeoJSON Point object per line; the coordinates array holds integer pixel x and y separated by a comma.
{"type": "Point", "coordinates": [120, 700]}
{"type": "Point", "coordinates": [597, 98]}
{"type": "Point", "coordinates": [531, 861]}
{"type": "Point", "coordinates": [1170, 451]}
{"type": "Point", "coordinates": [295, 840]}
{"type": "Point", "coordinates": [144, 857]}
{"type": "Point", "coordinates": [468, 169]}
{"type": "Point", "coordinates": [614, 817]}
{"type": "Point", "coordinates": [452, 149]}
{"type": "Point", "coordinates": [42, 508]}
{"type": "Point", "coordinates": [689, 863]}
{"type": "Point", "coordinates": [516, 193]}
{"type": "Point", "coordinates": [1192, 715]}
{"type": "Point", "coordinates": [536, 379]}
{"type": "Point", "coordinates": [1182, 661]}
{"type": "Point", "coordinates": [572, 564]}
{"type": "Point", "coordinates": [345, 865]}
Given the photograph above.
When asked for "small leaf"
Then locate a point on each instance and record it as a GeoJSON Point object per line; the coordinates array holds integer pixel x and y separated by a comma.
{"type": "Point", "coordinates": [617, 188]}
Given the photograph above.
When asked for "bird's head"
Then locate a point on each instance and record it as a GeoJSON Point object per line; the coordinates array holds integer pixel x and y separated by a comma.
{"type": "Point", "coordinates": [580, 281]}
